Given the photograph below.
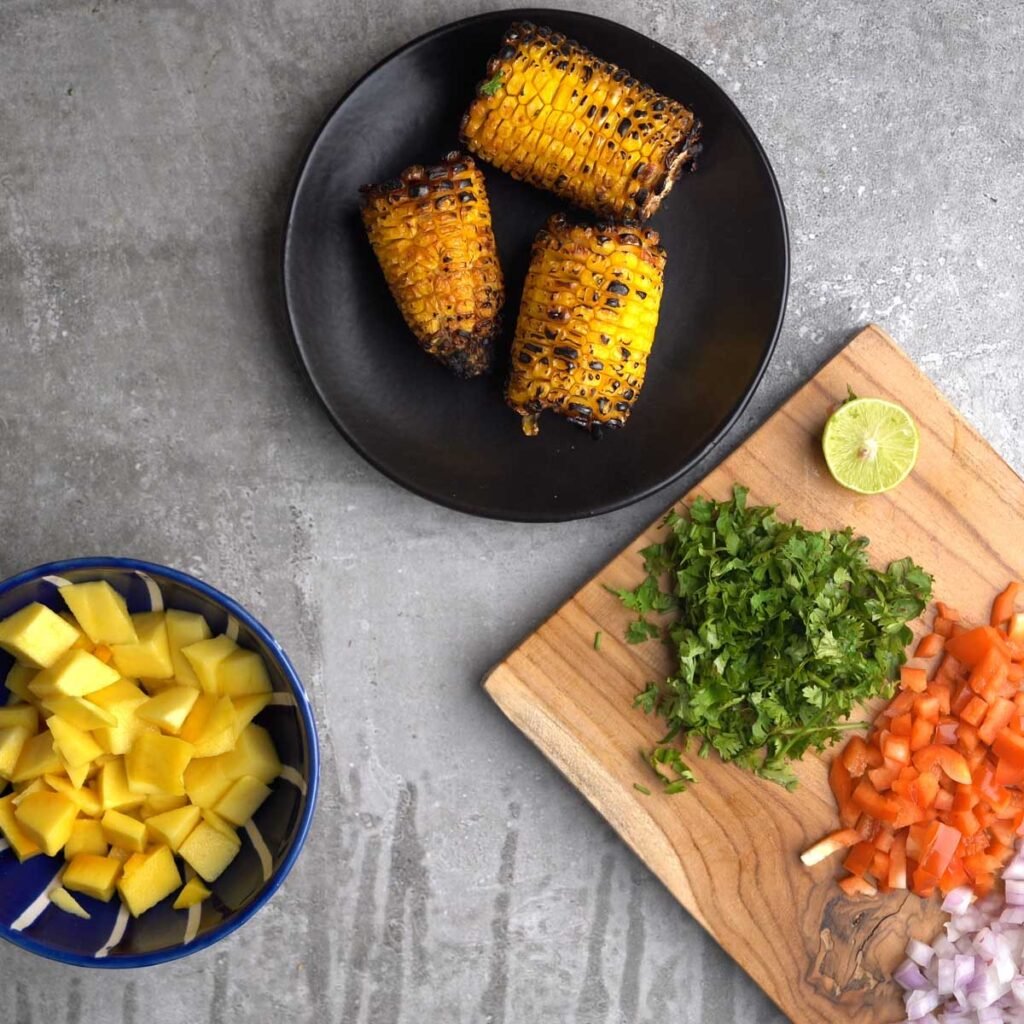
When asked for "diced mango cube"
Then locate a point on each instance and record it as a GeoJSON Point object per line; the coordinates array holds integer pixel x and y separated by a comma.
{"type": "Point", "coordinates": [253, 754]}
{"type": "Point", "coordinates": [87, 800]}
{"type": "Point", "coordinates": [158, 803]}
{"type": "Point", "coordinates": [205, 781]}
{"type": "Point", "coordinates": [150, 655]}
{"type": "Point", "coordinates": [115, 795]}
{"type": "Point", "coordinates": [121, 856]}
{"type": "Point", "coordinates": [242, 800]}
{"type": "Point", "coordinates": [169, 709]}
{"type": "Point", "coordinates": [93, 875]}
{"type": "Point", "coordinates": [205, 656]}
{"type": "Point", "coordinates": [121, 700]}
{"type": "Point", "coordinates": [74, 745]}
{"type": "Point", "coordinates": [243, 672]}
{"type": "Point", "coordinates": [86, 837]}
{"type": "Point", "coordinates": [36, 635]}
{"type": "Point", "coordinates": [173, 827]}
{"type": "Point", "coordinates": [136, 860]}
{"type": "Point", "coordinates": [82, 642]}
{"type": "Point", "coordinates": [219, 823]}
{"type": "Point", "coordinates": [80, 712]}
{"type": "Point", "coordinates": [73, 675]}
{"type": "Point", "coordinates": [209, 851]}
{"type": "Point", "coordinates": [25, 789]}
{"type": "Point", "coordinates": [121, 830]}
{"type": "Point", "coordinates": [37, 758]}
{"type": "Point", "coordinates": [101, 611]}
{"type": "Point", "coordinates": [18, 679]}
{"type": "Point", "coordinates": [21, 842]}
{"type": "Point", "coordinates": [122, 693]}
{"type": "Point", "coordinates": [156, 764]}
{"type": "Point", "coordinates": [20, 714]}
{"type": "Point", "coordinates": [192, 892]}
{"type": "Point", "coordinates": [210, 726]}
{"type": "Point", "coordinates": [248, 707]}
{"type": "Point", "coordinates": [150, 882]}
{"type": "Point", "coordinates": [77, 774]}
{"type": "Point", "coordinates": [12, 741]}
{"type": "Point", "coordinates": [63, 900]}
{"type": "Point", "coordinates": [47, 818]}
{"type": "Point", "coordinates": [183, 630]}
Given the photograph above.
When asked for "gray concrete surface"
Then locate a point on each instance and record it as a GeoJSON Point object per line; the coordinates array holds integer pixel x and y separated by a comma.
{"type": "Point", "coordinates": [150, 407]}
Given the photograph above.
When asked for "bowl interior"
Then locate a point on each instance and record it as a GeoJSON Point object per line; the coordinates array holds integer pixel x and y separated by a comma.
{"type": "Point", "coordinates": [270, 840]}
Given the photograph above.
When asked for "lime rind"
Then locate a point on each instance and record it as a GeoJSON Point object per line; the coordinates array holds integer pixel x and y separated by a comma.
{"type": "Point", "coordinates": [870, 445]}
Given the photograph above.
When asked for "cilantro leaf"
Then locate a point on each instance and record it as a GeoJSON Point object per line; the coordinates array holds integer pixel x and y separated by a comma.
{"type": "Point", "coordinates": [491, 86]}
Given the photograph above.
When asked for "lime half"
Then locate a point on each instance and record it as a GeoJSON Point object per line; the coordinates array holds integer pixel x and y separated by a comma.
{"type": "Point", "coordinates": [870, 445]}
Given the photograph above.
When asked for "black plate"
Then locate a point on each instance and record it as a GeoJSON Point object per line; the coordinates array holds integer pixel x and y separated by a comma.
{"type": "Point", "coordinates": [455, 441]}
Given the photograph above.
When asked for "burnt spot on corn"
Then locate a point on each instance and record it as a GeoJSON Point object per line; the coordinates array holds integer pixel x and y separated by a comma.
{"type": "Point", "coordinates": [591, 368]}
{"type": "Point", "coordinates": [431, 231]}
{"type": "Point", "coordinates": [579, 126]}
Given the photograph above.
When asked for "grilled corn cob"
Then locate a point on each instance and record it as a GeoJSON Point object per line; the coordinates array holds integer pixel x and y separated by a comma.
{"type": "Point", "coordinates": [552, 114]}
{"type": "Point", "coordinates": [586, 323]}
{"type": "Point", "coordinates": [431, 232]}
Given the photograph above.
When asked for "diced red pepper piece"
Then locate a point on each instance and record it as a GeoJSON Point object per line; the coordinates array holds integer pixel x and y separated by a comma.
{"type": "Point", "coordinates": [997, 718]}
{"type": "Point", "coordinates": [947, 611]}
{"type": "Point", "coordinates": [951, 761]}
{"type": "Point", "coordinates": [1002, 606]}
{"type": "Point", "coordinates": [942, 844]}
{"type": "Point", "coordinates": [929, 646]}
{"type": "Point", "coordinates": [855, 756]}
{"type": "Point", "coordinates": [964, 822]}
{"type": "Point", "coordinates": [1008, 746]}
{"type": "Point", "coordinates": [974, 710]}
{"type": "Point", "coordinates": [973, 645]}
{"type": "Point", "coordinates": [943, 627]}
{"type": "Point", "coordinates": [901, 725]}
{"type": "Point", "coordinates": [1015, 631]}
{"type": "Point", "coordinates": [921, 733]}
{"type": "Point", "coordinates": [852, 885]}
{"type": "Point", "coordinates": [858, 860]}
{"type": "Point", "coordinates": [943, 800]}
{"type": "Point", "coordinates": [897, 748]}
{"type": "Point", "coordinates": [870, 801]}
{"type": "Point", "coordinates": [832, 843]}
{"type": "Point", "coordinates": [898, 862]}
{"type": "Point", "coordinates": [881, 778]}
{"type": "Point", "coordinates": [915, 679]}
{"type": "Point", "coordinates": [842, 789]}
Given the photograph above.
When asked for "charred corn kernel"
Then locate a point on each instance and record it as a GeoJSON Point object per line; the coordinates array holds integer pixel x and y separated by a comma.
{"type": "Point", "coordinates": [586, 324]}
{"type": "Point", "coordinates": [431, 232]}
{"type": "Point", "coordinates": [552, 114]}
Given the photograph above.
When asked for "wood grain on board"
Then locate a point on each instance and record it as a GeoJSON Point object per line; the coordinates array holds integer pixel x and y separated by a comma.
{"type": "Point", "coordinates": [728, 849]}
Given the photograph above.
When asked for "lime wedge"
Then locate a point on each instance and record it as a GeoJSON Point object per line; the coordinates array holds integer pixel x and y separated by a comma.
{"type": "Point", "coordinates": [870, 445]}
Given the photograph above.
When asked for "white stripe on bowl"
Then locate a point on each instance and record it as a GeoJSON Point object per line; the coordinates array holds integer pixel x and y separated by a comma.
{"type": "Point", "coordinates": [156, 597]}
{"type": "Point", "coordinates": [31, 913]}
{"type": "Point", "coordinates": [116, 934]}
{"type": "Point", "coordinates": [292, 775]}
{"type": "Point", "coordinates": [282, 698]}
{"type": "Point", "coordinates": [4, 845]}
{"type": "Point", "coordinates": [57, 581]}
{"type": "Point", "coordinates": [231, 629]}
{"type": "Point", "coordinates": [266, 861]}
{"type": "Point", "coordinates": [195, 912]}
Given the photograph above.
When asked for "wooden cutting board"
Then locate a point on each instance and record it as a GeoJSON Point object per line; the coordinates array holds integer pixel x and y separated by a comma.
{"type": "Point", "coordinates": [728, 849]}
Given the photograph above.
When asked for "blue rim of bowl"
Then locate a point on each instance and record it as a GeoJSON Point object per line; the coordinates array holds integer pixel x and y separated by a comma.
{"type": "Point", "coordinates": [312, 781]}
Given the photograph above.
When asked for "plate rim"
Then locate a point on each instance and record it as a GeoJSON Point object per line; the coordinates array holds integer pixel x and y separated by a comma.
{"type": "Point", "coordinates": [466, 506]}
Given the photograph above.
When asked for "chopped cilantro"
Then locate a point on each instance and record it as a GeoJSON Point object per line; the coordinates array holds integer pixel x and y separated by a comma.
{"type": "Point", "coordinates": [641, 789]}
{"type": "Point", "coordinates": [491, 86]}
{"type": "Point", "coordinates": [597, 640]}
{"type": "Point", "coordinates": [778, 634]}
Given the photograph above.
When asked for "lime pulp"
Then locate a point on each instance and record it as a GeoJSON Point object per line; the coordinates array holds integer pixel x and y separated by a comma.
{"type": "Point", "coordinates": [870, 445]}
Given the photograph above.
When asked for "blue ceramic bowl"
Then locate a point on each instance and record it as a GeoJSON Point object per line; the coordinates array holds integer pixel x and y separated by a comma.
{"type": "Point", "coordinates": [270, 842]}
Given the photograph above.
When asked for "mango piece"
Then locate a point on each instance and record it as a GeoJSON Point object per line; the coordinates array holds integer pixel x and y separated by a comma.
{"type": "Point", "coordinates": [86, 799]}
{"type": "Point", "coordinates": [93, 875]}
{"type": "Point", "coordinates": [242, 800]}
{"type": "Point", "coordinates": [114, 792]}
{"type": "Point", "coordinates": [74, 745]}
{"type": "Point", "coordinates": [122, 699]}
{"type": "Point", "coordinates": [153, 687]}
{"type": "Point", "coordinates": [153, 880]}
{"type": "Point", "coordinates": [192, 892]}
{"type": "Point", "coordinates": [82, 642]}
{"type": "Point", "coordinates": [136, 860]}
{"type": "Point", "coordinates": [210, 726]}
{"type": "Point", "coordinates": [28, 788]}
{"type": "Point", "coordinates": [241, 673]}
{"type": "Point", "coordinates": [169, 709]}
{"type": "Point", "coordinates": [205, 656]}
{"type": "Point", "coordinates": [209, 851]}
{"type": "Point", "coordinates": [36, 636]}
{"type": "Point", "coordinates": [81, 713]}
{"type": "Point", "coordinates": [121, 830]}
{"type": "Point", "coordinates": [12, 741]}
{"type": "Point", "coordinates": [20, 714]}
{"type": "Point", "coordinates": [150, 655]}
{"type": "Point", "coordinates": [172, 828]}
{"type": "Point", "coordinates": [21, 843]}
{"type": "Point", "coordinates": [77, 774]}
{"type": "Point", "coordinates": [121, 856]}
{"type": "Point", "coordinates": [158, 803]}
{"type": "Point", "coordinates": [101, 612]}
{"type": "Point", "coordinates": [183, 630]}
{"type": "Point", "coordinates": [247, 708]}
{"type": "Point", "coordinates": [222, 826]}
{"type": "Point", "coordinates": [253, 754]}
{"type": "Point", "coordinates": [73, 675]}
{"type": "Point", "coordinates": [156, 764]}
{"type": "Point", "coordinates": [47, 819]}
{"type": "Point", "coordinates": [86, 837]}
{"type": "Point", "coordinates": [17, 682]}
{"type": "Point", "coordinates": [63, 900]}
{"type": "Point", "coordinates": [37, 758]}
{"type": "Point", "coordinates": [205, 781]}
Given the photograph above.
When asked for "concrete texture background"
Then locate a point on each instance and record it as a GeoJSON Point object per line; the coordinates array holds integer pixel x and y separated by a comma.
{"type": "Point", "coordinates": [150, 407]}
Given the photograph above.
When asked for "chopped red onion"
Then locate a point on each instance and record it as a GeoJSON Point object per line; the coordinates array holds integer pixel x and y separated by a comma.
{"type": "Point", "coordinates": [1015, 892]}
{"type": "Point", "coordinates": [920, 953]}
{"type": "Point", "coordinates": [909, 976]}
{"type": "Point", "coordinates": [920, 1004]}
{"type": "Point", "coordinates": [958, 900]}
